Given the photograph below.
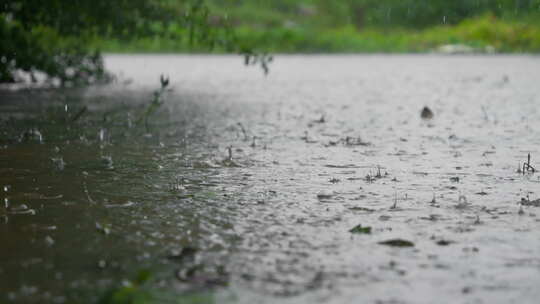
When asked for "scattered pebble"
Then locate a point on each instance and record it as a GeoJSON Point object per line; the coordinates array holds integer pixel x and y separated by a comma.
{"type": "Point", "coordinates": [325, 194]}
{"type": "Point", "coordinates": [384, 218]}
{"type": "Point", "coordinates": [426, 113]}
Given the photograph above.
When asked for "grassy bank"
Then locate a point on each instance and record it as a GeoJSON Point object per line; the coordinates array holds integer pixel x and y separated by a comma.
{"type": "Point", "coordinates": [479, 32]}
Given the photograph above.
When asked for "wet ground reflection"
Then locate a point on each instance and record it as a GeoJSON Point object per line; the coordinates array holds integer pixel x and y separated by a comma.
{"type": "Point", "coordinates": [249, 186]}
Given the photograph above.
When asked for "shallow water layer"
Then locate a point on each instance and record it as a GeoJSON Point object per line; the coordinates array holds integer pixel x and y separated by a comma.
{"type": "Point", "coordinates": [246, 187]}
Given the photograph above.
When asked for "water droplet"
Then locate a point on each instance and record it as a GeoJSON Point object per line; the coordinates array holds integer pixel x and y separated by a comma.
{"type": "Point", "coordinates": [32, 135]}
{"type": "Point", "coordinates": [102, 135]}
{"type": "Point", "coordinates": [129, 121]}
{"type": "Point", "coordinates": [49, 241]}
{"type": "Point", "coordinates": [102, 264]}
{"type": "Point", "coordinates": [58, 163]}
{"type": "Point", "coordinates": [107, 161]}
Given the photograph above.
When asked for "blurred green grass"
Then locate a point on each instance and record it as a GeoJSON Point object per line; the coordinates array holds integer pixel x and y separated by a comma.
{"type": "Point", "coordinates": [507, 36]}
{"type": "Point", "coordinates": [359, 26]}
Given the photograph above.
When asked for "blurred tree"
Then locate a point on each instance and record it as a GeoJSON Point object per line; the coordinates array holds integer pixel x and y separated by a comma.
{"type": "Point", "coordinates": [54, 37]}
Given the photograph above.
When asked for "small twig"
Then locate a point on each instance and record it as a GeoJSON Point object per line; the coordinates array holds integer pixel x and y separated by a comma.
{"type": "Point", "coordinates": [246, 138]}
{"type": "Point", "coordinates": [156, 102]}
{"type": "Point", "coordinates": [433, 200]}
{"type": "Point", "coordinates": [263, 59]}
{"type": "Point", "coordinates": [79, 114]}
{"type": "Point", "coordinates": [229, 150]}
{"type": "Point", "coordinates": [486, 116]}
{"type": "Point", "coordinates": [395, 201]}
{"type": "Point", "coordinates": [527, 166]}
{"type": "Point", "coordinates": [88, 193]}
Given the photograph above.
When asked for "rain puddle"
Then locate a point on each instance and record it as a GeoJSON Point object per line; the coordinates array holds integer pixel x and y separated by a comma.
{"type": "Point", "coordinates": [335, 179]}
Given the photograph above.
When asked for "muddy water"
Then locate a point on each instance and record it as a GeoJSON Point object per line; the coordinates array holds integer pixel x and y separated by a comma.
{"type": "Point", "coordinates": [245, 187]}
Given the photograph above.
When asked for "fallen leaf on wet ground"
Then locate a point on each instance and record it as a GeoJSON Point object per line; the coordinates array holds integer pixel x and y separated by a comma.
{"type": "Point", "coordinates": [397, 243]}
{"type": "Point", "coordinates": [444, 242]}
{"type": "Point", "coordinates": [362, 209]}
{"type": "Point", "coordinates": [359, 229]}
{"type": "Point", "coordinates": [325, 194]}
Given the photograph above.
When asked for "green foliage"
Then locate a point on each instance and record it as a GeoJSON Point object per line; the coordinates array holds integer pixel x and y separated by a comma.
{"type": "Point", "coordinates": [484, 31]}
{"type": "Point", "coordinates": [478, 32]}
{"type": "Point", "coordinates": [140, 291]}
{"type": "Point", "coordinates": [43, 49]}
{"type": "Point", "coordinates": [61, 38]}
{"type": "Point", "coordinates": [133, 294]}
{"type": "Point", "coordinates": [57, 37]}
{"type": "Point", "coordinates": [425, 13]}
{"type": "Point", "coordinates": [311, 26]}
{"type": "Point", "coordinates": [369, 13]}
{"type": "Point", "coordinates": [361, 230]}
{"type": "Point", "coordinates": [157, 101]}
